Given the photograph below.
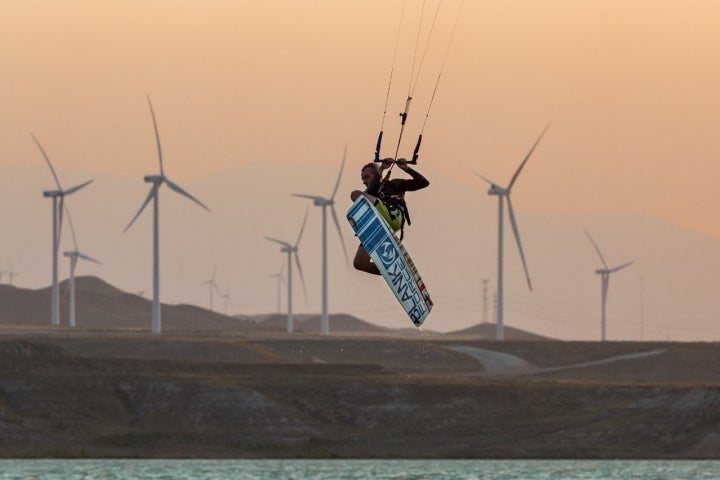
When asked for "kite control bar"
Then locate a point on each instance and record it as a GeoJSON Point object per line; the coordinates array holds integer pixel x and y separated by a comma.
{"type": "Point", "coordinates": [410, 162]}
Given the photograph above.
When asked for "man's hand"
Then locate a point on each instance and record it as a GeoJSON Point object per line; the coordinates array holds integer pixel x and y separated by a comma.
{"type": "Point", "coordinates": [387, 163]}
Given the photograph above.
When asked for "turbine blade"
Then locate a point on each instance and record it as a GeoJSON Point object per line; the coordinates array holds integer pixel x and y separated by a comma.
{"type": "Point", "coordinates": [74, 189]}
{"type": "Point", "coordinates": [517, 172]}
{"type": "Point", "coordinates": [89, 259]}
{"type": "Point", "coordinates": [342, 166]}
{"type": "Point", "coordinates": [285, 244]}
{"type": "Point", "coordinates": [302, 228]}
{"type": "Point", "coordinates": [597, 249]}
{"type": "Point", "coordinates": [176, 187]}
{"type": "Point", "coordinates": [513, 223]}
{"type": "Point", "coordinates": [47, 159]}
{"type": "Point", "coordinates": [157, 136]}
{"type": "Point", "coordinates": [72, 227]}
{"type": "Point", "coordinates": [302, 278]}
{"type": "Point", "coordinates": [337, 225]}
{"type": "Point", "coordinates": [153, 191]}
{"type": "Point", "coordinates": [311, 197]}
{"type": "Point", "coordinates": [492, 184]}
{"type": "Point", "coordinates": [620, 267]}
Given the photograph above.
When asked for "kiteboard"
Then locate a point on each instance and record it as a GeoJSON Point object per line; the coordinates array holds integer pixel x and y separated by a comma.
{"type": "Point", "coordinates": [391, 258]}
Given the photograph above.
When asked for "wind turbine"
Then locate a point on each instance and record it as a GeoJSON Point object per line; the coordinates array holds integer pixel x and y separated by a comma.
{"type": "Point", "coordinates": [292, 251]}
{"type": "Point", "coordinates": [280, 282]}
{"type": "Point", "coordinates": [211, 286]}
{"type": "Point", "coordinates": [324, 203]}
{"type": "Point", "coordinates": [604, 282]}
{"type": "Point", "coordinates": [226, 298]}
{"type": "Point", "coordinates": [58, 203]}
{"type": "Point", "coordinates": [11, 273]}
{"type": "Point", "coordinates": [503, 194]}
{"type": "Point", "coordinates": [74, 255]}
{"type": "Point", "coordinates": [157, 181]}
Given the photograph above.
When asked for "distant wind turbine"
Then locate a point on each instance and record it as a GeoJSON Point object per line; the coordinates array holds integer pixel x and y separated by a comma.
{"type": "Point", "coordinates": [504, 194]}
{"type": "Point", "coordinates": [604, 282]}
{"type": "Point", "coordinates": [211, 286]}
{"type": "Point", "coordinates": [157, 181]}
{"type": "Point", "coordinates": [292, 251]}
{"type": "Point", "coordinates": [58, 203]}
{"type": "Point", "coordinates": [226, 298]}
{"type": "Point", "coordinates": [11, 273]}
{"type": "Point", "coordinates": [74, 255]}
{"type": "Point", "coordinates": [280, 282]}
{"type": "Point", "coordinates": [324, 203]}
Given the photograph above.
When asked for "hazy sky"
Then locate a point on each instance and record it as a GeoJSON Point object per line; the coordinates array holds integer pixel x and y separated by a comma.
{"type": "Point", "coordinates": [630, 86]}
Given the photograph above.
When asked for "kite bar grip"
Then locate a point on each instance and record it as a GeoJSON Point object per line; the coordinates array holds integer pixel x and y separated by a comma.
{"type": "Point", "coordinates": [415, 152]}
{"type": "Point", "coordinates": [377, 147]}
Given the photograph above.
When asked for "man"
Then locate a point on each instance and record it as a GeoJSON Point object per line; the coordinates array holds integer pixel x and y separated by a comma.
{"type": "Point", "coordinates": [388, 196]}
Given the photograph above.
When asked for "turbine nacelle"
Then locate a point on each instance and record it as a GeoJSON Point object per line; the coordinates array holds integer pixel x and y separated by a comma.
{"type": "Point", "coordinates": [62, 193]}
{"type": "Point", "coordinates": [496, 189]}
{"type": "Point", "coordinates": [317, 200]}
{"type": "Point", "coordinates": [76, 254]}
{"type": "Point", "coordinates": [154, 178]}
{"type": "Point", "coordinates": [322, 202]}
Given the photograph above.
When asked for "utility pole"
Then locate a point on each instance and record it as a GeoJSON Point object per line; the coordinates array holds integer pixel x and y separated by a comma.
{"type": "Point", "coordinates": [485, 301]}
{"type": "Point", "coordinates": [495, 308]}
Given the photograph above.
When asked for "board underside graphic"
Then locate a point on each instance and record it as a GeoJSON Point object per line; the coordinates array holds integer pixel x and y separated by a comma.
{"type": "Point", "coordinates": [391, 258]}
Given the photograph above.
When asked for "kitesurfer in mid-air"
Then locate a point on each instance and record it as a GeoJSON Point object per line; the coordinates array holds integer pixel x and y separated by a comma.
{"type": "Point", "coordinates": [388, 196]}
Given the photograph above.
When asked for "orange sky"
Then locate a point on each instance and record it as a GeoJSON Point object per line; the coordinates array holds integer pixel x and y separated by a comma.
{"type": "Point", "coordinates": [630, 86]}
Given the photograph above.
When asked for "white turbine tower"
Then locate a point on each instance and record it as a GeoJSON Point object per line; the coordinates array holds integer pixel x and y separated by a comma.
{"type": "Point", "coordinates": [74, 255]}
{"type": "Point", "coordinates": [324, 203]}
{"type": "Point", "coordinates": [211, 286]}
{"type": "Point", "coordinates": [604, 282]}
{"type": "Point", "coordinates": [58, 203]}
{"type": "Point", "coordinates": [157, 181]}
{"type": "Point", "coordinates": [503, 194]}
{"type": "Point", "coordinates": [292, 250]}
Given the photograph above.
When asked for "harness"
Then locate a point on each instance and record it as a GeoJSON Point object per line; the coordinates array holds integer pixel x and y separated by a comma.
{"type": "Point", "coordinates": [396, 205]}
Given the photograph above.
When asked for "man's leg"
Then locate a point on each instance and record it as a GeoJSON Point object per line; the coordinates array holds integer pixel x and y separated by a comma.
{"type": "Point", "coordinates": [363, 262]}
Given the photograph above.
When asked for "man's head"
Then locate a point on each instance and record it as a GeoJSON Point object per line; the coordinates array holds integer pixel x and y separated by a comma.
{"type": "Point", "coordinates": [368, 172]}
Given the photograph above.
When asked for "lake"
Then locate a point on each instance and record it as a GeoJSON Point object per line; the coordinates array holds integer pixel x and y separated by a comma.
{"type": "Point", "coordinates": [357, 469]}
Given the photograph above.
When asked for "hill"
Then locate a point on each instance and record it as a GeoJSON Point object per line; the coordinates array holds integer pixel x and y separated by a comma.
{"type": "Point", "coordinates": [100, 305]}
{"type": "Point", "coordinates": [488, 331]}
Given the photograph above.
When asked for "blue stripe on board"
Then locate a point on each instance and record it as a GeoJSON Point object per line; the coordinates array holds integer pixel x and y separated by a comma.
{"type": "Point", "coordinates": [373, 235]}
